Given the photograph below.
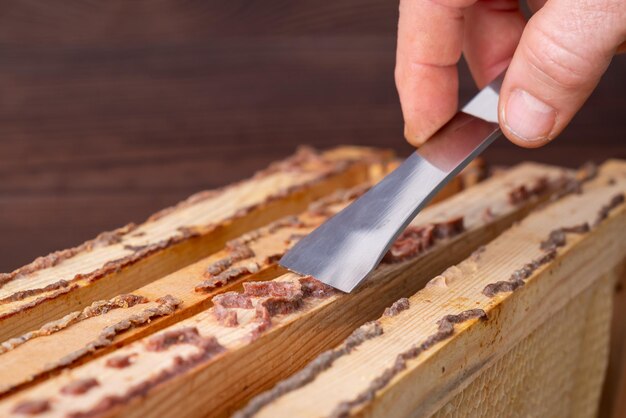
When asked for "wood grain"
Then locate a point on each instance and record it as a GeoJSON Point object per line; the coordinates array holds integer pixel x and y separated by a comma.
{"type": "Point", "coordinates": [556, 370]}
{"type": "Point", "coordinates": [39, 355]}
{"type": "Point", "coordinates": [440, 372]}
{"type": "Point", "coordinates": [295, 338]}
{"type": "Point", "coordinates": [131, 257]}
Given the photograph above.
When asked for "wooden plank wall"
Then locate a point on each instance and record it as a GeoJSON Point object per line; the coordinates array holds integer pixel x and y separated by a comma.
{"type": "Point", "coordinates": [112, 110]}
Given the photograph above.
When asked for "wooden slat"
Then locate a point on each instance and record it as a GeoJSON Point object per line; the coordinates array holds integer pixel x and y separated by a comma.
{"type": "Point", "coordinates": [555, 371]}
{"type": "Point", "coordinates": [613, 403]}
{"type": "Point", "coordinates": [256, 356]}
{"type": "Point", "coordinates": [135, 255]}
{"type": "Point", "coordinates": [81, 336]}
{"type": "Point", "coordinates": [415, 367]}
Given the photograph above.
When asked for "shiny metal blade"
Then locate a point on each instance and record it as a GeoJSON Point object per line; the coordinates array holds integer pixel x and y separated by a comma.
{"type": "Point", "coordinates": [346, 248]}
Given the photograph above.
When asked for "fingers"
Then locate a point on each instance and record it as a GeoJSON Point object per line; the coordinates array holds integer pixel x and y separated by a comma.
{"type": "Point", "coordinates": [430, 39]}
{"type": "Point", "coordinates": [493, 29]}
{"type": "Point", "coordinates": [563, 52]}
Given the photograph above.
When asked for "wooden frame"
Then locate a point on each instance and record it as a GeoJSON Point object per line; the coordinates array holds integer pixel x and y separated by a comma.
{"type": "Point", "coordinates": [134, 255]}
{"type": "Point", "coordinates": [106, 325]}
{"type": "Point", "coordinates": [471, 340]}
{"type": "Point", "coordinates": [205, 351]}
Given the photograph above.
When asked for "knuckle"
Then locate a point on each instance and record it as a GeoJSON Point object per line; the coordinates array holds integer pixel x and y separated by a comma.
{"type": "Point", "coordinates": [406, 70]}
{"type": "Point", "coordinates": [557, 61]}
{"type": "Point", "coordinates": [399, 75]}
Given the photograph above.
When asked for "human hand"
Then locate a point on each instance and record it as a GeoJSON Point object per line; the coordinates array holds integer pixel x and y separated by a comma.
{"type": "Point", "coordinates": [555, 60]}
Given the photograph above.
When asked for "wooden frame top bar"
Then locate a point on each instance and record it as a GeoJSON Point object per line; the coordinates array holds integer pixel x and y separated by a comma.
{"type": "Point", "coordinates": [131, 256]}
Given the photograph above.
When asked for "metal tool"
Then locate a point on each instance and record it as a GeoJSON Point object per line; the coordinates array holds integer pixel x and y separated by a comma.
{"type": "Point", "coordinates": [346, 248]}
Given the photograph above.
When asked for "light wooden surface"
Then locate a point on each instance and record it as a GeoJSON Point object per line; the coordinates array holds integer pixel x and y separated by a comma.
{"type": "Point", "coordinates": [556, 371]}
{"type": "Point", "coordinates": [252, 203]}
{"type": "Point", "coordinates": [579, 279]}
{"type": "Point", "coordinates": [40, 353]}
{"type": "Point", "coordinates": [38, 357]}
{"type": "Point", "coordinates": [248, 367]}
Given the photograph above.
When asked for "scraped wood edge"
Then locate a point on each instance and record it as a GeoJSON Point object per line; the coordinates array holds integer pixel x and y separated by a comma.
{"type": "Point", "coordinates": [71, 279]}
{"type": "Point", "coordinates": [233, 375]}
{"type": "Point", "coordinates": [64, 342]}
{"type": "Point", "coordinates": [446, 335]}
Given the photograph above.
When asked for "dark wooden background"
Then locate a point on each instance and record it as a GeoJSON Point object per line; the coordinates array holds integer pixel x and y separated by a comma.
{"type": "Point", "coordinates": [110, 110]}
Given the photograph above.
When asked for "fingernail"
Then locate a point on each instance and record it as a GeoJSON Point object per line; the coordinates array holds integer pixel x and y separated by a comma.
{"type": "Point", "coordinates": [528, 117]}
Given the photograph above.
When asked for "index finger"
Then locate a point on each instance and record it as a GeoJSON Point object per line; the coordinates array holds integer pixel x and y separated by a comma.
{"type": "Point", "coordinates": [430, 41]}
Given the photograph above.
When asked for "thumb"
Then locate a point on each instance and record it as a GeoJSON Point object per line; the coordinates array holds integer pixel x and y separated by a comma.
{"type": "Point", "coordinates": [563, 52]}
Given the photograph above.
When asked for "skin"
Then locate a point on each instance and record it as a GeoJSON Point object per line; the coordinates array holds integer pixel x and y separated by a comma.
{"type": "Point", "coordinates": [554, 60]}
